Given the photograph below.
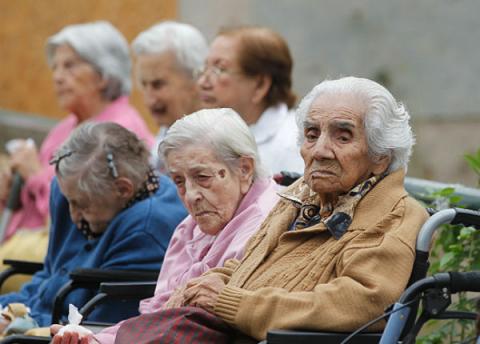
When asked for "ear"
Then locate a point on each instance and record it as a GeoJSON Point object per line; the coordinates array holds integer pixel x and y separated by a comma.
{"type": "Point", "coordinates": [381, 165]}
{"type": "Point", "coordinates": [124, 188]}
{"type": "Point", "coordinates": [262, 86]}
{"type": "Point", "coordinates": [102, 82]}
{"type": "Point", "coordinates": [246, 171]}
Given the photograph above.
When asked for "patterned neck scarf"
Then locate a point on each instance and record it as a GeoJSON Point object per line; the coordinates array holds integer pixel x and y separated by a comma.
{"type": "Point", "coordinates": [149, 188]}
{"type": "Point", "coordinates": [336, 218]}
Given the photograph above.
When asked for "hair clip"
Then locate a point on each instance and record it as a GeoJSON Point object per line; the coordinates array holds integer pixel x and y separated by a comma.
{"type": "Point", "coordinates": [56, 160]}
{"type": "Point", "coordinates": [111, 165]}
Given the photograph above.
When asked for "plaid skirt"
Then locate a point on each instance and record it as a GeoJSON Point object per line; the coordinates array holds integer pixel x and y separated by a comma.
{"type": "Point", "coordinates": [183, 325]}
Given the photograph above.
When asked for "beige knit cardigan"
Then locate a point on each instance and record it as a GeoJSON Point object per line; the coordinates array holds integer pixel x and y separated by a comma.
{"type": "Point", "coordinates": [306, 279]}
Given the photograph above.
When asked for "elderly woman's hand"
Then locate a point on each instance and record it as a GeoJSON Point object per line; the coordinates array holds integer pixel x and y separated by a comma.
{"type": "Point", "coordinates": [69, 337]}
{"type": "Point", "coordinates": [203, 291]}
{"type": "Point", "coordinates": [176, 299]}
{"type": "Point", "coordinates": [25, 160]}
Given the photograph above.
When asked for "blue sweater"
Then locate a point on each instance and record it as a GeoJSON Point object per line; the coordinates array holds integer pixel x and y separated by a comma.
{"type": "Point", "coordinates": [136, 239]}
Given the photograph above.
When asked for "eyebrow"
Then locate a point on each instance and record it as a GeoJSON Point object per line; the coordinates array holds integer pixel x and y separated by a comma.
{"type": "Point", "coordinates": [343, 125]}
{"type": "Point", "coordinates": [334, 124]}
{"type": "Point", "coordinates": [309, 125]}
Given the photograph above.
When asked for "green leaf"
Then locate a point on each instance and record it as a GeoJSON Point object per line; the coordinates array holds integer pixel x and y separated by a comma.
{"type": "Point", "coordinates": [446, 259]}
{"type": "Point", "coordinates": [446, 191]}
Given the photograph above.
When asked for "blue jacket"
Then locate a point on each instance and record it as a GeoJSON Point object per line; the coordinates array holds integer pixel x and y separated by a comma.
{"type": "Point", "coordinates": [136, 239]}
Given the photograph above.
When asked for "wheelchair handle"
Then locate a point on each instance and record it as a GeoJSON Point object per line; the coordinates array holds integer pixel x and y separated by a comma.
{"type": "Point", "coordinates": [453, 216]}
{"type": "Point", "coordinates": [455, 281]}
{"type": "Point", "coordinates": [13, 200]}
{"type": "Point", "coordinates": [464, 281]}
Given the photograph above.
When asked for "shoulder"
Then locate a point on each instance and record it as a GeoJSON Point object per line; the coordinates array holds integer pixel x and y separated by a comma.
{"type": "Point", "coordinates": [162, 210]}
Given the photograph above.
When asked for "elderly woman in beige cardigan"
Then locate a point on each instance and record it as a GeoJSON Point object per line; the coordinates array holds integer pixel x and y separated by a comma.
{"type": "Point", "coordinates": [339, 245]}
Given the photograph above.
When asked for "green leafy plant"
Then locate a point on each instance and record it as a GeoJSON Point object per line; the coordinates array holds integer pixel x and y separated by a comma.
{"type": "Point", "coordinates": [456, 248]}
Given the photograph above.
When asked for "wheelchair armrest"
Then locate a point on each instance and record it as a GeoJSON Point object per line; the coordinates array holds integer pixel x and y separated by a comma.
{"type": "Point", "coordinates": [310, 337]}
{"type": "Point", "coordinates": [92, 278]}
{"type": "Point", "coordinates": [24, 266]}
{"type": "Point", "coordinates": [21, 339]}
{"type": "Point", "coordinates": [19, 267]}
{"type": "Point", "coordinates": [119, 291]}
{"type": "Point", "coordinates": [140, 290]}
{"type": "Point", "coordinates": [97, 276]}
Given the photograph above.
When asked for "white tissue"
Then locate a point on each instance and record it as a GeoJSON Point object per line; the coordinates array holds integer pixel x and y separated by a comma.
{"type": "Point", "coordinates": [74, 319]}
{"type": "Point", "coordinates": [13, 145]}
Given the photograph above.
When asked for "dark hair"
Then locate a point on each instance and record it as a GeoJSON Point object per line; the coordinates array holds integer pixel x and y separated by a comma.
{"type": "Point", "coordinates": [265, 52]}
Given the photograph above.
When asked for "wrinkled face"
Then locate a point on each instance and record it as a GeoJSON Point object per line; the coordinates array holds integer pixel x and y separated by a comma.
{"type": "Point", "coordinates": [97, 212]}
{"type": "Point", "coordinates": [76, 81]}
{"type": "Point", "coordinates": [210, 191]}
{"type": "Point", "coordinates": [223, 84]}
{"type": "Point", "coordinates": [168, 92]}
{"type": "Point", "coordinates": [335, 147]}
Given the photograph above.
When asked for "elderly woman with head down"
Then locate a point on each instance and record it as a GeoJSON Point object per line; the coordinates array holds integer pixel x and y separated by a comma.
{"type": "Point", "coordinates": [336, 249]}
{"type": "Point", "coordinates": [109, 210]}
{"type": "Point", "coordinates": [213, 160]}
{"type": "Point", "coordinates": [91, 73]}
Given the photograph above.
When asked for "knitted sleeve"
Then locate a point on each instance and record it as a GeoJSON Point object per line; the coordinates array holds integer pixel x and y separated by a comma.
{"type": "Point", "coordinates": [369, 279]}
{"type": "Point", "coordinates": [225, 271]}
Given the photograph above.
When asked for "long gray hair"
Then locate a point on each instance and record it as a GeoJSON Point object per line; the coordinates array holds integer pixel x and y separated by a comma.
{"type": "Point", "coordinates": [96, 154]}
{"type": "Point", "coordinates": [104, 47]}
{"type": "Point", "coordinates": [221, 129]}
{"type": "Point", "coordinates": [386, 120]}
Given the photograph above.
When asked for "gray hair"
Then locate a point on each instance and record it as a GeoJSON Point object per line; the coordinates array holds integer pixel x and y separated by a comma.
{"type": "Point", "coordinates": [185, 41]}
{"type": "Point", "coordinates": [221, 129]}
{"type": "Point", "coordinates": [386, 120]}
{"type": "Point", "coordinates": [85, 157]}
{"type": "Point", "coordinates": [103, 46]}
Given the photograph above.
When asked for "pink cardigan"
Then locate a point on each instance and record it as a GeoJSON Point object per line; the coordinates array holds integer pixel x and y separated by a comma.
{"type": "Point", "coordinates": [36, 190]}
{"type": "Point", "coordinates": [192, 252]}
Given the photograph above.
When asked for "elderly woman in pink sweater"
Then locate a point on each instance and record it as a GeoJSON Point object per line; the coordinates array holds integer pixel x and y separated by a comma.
{"type": "Point", "coordinates": [212, 158]}
{"type": "Point", "coordinates": [91, 74]}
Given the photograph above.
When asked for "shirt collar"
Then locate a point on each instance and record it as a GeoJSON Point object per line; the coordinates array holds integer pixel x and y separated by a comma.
{"type": "Point", "coordinates": [267, 125]}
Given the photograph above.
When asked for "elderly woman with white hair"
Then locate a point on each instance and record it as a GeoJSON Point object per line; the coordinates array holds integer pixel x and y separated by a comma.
{"type": "Point", "coordinates": [336, 249]}
{"type": "Point", "coordinates": [212, 158]}
{"type": "Point", "coordinates": [167, 57]}
{"type": "Point", "coordinates": [109, 210]}
{"type": "Point", "coordinates": [91, 72]}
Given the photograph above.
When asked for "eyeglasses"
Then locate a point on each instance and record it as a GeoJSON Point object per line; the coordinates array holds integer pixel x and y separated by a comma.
{"type": "Point", "coordinates": [110, 162]}
{"type": "Point", "coordinates": [213, 72]}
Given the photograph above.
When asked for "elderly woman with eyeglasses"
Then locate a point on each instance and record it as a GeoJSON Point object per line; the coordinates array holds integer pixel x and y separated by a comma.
{"type": "Point", "coordinates": [109, 210]}
{"type": "Point", "coordinates": [249, 70]}
{"type": "Point", "coordinates": [212, 159]}
{"type": "Point", "coordinates": [91, 73]}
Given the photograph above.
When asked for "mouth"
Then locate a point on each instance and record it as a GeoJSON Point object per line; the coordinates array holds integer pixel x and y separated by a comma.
{"type": "Point", "coordinates": [158, 110]}
{"type": "Point", "coordinates": [322, 174]}
{"type": "Point", "coordinates": [207, 99]}
{"type": "Point", "coordinates": [203, 213]}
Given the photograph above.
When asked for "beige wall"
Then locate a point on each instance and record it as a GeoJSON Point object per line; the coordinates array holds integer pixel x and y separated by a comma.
{"type": "Point", "coordinates": [25, 79]}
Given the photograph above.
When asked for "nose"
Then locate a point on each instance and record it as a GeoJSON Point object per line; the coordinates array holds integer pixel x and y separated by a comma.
{"type": "Point", "coordinates": [203, 81]}
{"type": "Point", "coordinates": [323, 148]}
{"type": "Point", "coordinates": [57, 74]}
{"type": "Point", "coordinates": [192, 193]}
{"type": "Point", "coordinates": [149, 95]}
{"type": "Point", "coordinates": [75, 214]}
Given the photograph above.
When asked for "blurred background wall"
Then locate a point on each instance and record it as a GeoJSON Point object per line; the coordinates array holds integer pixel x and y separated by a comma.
{"type": "Point", "coordinates": [425, 51]}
